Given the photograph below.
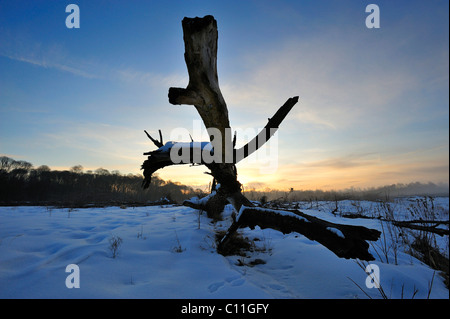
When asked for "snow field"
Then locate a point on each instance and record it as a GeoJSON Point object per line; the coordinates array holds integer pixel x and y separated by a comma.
{"type": "Point", "coordinates": [164, 254]}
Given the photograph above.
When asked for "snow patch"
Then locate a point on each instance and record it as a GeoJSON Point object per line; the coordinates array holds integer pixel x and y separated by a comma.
{"type": "Point", "coordinates": [38, 243]}
{"type": "Point", "coordinates": [336, 231]}
{"type": "Point", "coordinates": [204, 146]}
{"type": "Point", "coordinates": [279, 212]}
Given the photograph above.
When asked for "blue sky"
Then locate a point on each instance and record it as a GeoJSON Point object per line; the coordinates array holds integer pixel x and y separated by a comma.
{"type": "Point", "coordinates": [373, 109]}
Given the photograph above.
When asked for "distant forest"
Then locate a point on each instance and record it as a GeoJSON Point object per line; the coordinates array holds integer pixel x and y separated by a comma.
{"type": "Point", "coordinates": [22, 184]}
{"type": "Point", "coordinates": [383, 193]}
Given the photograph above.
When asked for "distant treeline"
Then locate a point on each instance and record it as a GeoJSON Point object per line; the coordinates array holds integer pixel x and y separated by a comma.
{"type": "Point", "coordinates": [385, 193]}
{"type": "Point", "coordinates": [21, 183]}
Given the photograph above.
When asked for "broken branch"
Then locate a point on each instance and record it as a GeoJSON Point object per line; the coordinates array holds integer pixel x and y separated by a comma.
{"type": "Point", "coordinates": [267, 132]}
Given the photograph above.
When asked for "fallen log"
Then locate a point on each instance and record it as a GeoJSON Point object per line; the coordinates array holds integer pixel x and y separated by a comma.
{"type": "Point", "coordinates": [423, 227]}
{"type": "Point", "coordinates": [346, 241]}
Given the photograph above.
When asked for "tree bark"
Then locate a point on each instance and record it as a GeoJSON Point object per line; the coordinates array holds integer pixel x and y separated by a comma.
{"type": "Point", "coordinates": [200, 40]}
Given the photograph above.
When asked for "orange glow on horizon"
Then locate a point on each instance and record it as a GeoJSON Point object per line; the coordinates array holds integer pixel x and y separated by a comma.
{"type": "Point", "coordinates": [307, 178]}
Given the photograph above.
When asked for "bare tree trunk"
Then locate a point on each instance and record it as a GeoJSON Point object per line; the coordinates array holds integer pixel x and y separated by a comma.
{"type": "Point", "coordinates": [200, 40]}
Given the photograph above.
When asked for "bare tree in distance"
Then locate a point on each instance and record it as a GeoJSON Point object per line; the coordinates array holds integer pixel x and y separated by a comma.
{"type": "Point", "coordinates": [78, 169]}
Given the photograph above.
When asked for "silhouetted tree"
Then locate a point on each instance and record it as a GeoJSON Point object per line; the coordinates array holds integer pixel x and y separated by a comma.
{"type": "Point", "coordinates": [21, 184]}
{"type": "Point", "coordinates": [78, 169]}
{"type": "Point", "coordinates": [203, 92]}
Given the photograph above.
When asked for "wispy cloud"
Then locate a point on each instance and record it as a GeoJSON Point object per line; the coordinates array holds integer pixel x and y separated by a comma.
{"type": "Point", "coordinates": [149, 78]}
{"type": "Point", "coordinates": [347, 161]}
{"type": "Point", "coordinates": [311, 117]}
{"type": "Point", "coordinates": [44, 63]}
{"type": "Point", "coordinates": [58, 58]}
{"type": "Point", "coordinates": [98, 71]}
{"type": "Point", "coordinates": [90, 143]}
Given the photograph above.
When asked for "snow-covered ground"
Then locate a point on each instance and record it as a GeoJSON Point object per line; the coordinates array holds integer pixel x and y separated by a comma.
{"type": "Point", "coordinates": [169, 252]}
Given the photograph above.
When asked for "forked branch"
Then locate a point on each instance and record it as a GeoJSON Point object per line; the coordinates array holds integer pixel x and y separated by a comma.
{"type": "Point", "coordinates": [157, 143]}
{"type": "Point", "coordinates": [160, 157]}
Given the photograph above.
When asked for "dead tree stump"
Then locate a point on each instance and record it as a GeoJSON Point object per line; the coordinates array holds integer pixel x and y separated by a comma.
{"type": "Point", "coordinates": [203, 92]}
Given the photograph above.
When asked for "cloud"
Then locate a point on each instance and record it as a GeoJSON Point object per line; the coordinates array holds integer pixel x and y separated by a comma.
{"type": "Point", "coordinates": [149, 78]}
{"type": "Point", "coordinates": [311, 117]}
{"type": "Point", "coordinates": [93, 144]}
{"type": "Point", "coordinates": [19, 48]}
{"type": "Point", "coordinates": [45, 63]}
{"type": "Point", "coordinates": [58, 58]}
{"type": "Point", "coordinates": [341, 78]}
{"type": "Point", "coordinates": [366, 169]}
{"type": "Point", "coordinates": [348, 161]}
{"type": "Point", "coordinates": [97, 71]}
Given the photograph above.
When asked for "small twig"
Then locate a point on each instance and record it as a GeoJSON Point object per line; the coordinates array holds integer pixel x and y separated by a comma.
{"type": "Point", "coordinates": [160, 137]}
{"type": "Point", "coordinates": [430, 286]}
{"type": "Point", "coordinates": [178, 249]}
{"type": "Point", "coordinates": [360, 288]}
